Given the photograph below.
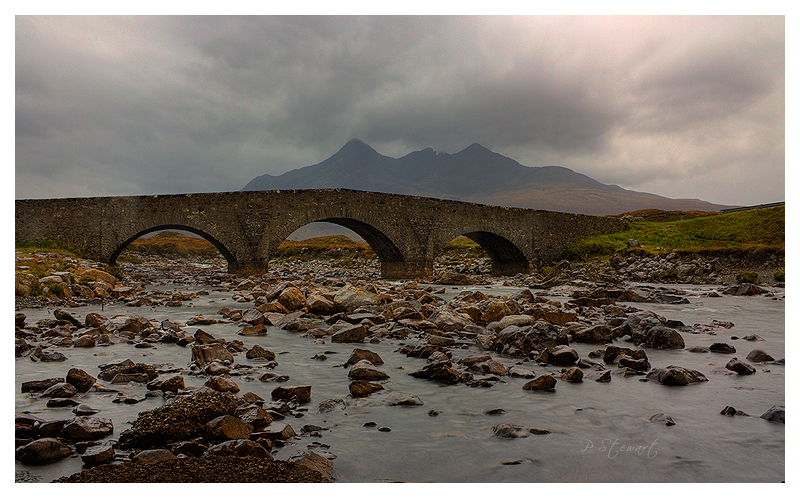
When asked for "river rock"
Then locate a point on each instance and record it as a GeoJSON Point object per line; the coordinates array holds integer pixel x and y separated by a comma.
{"type": "Point", "coordinates": [759, 356]}
{"type": "Point", "coordinates": [172, 384]}
{"type": "Point", "coordinates": [110, 371]}
{"type": "Point", "coordinates": [602, 376]}
{"type": "Point", "coordinates": [222, 384]}
{"type": "Point", "coordinates": [775, 414]}
{"type": "Point", "coordinates": [227, 427]}
{"type": "Point", "coordinates": [319, 304]}
{"type": "Point", "coordinates": [216, 368]}
{"type": "Point", "coordinates": [292, 298]}
{"type": "Point", "coordinates": [595, 334]}
{"type": "Point", "coordinates": [203, 337]}
{"type": "Point", "coordinates": [180, 420]}
{"type": "Point", "coordinates": [520, 342]}
{"type": "Point", "coordinates": [721, 347]}
{"type": "Point", "coordinates": [510, 430]}
{"type": "Point", "coordinates": [559, 355]}
{"type": "Point", "coordinates": [731, 411]}
{"type": "Point", "coordinates": [302, 393]}
{"type": "Point", "coordinates": [98, 454]}
{"type": "Point", "coordinates": [60, 390]}
{"type": "Point", "coordinates": [520, 372]}
{"type": "Point", "coordinates": [639, 365]}
{"type": "Point", "coordinates": [361, 388]}
{"type": "Point", "coordinates": [573, 374]}
{"type": "Point", "coordinates": [154, 456]}
{"type": "Point", "coordinates": [64, 316]}
{"type": "Point", "coordinates": [364, 354]}
{"type": "Point", "coordinates": [242, 447]}
{"type": "Point", "coordinates": [80, 379]}
{"type": "Point", "coordinates": [676, 376]}
{"type": "Point", "coordinates": [253, 415]}
{"type": "Point", "coordinates": [257, 352]}
{"type": "Point", "coordinates": [365, 370]}
{"type": "Point", "coordinates": [351, 298]}
{"type": "Point", "coordinates": [204, 354]}
{"type": "Point", "coordinates": [662, 418]}
{"type": "Point", "coordinates": [660, 337]}
{"type": "Point", "coordinates": [740, 367]}
{"type": "Point", "coordinates": [87, 428]}
{"type": "Point", "coordinates": [317, 463]}
{"type": "Point", "coordinates": [42, 451]}
{"type": "Point", "coordinates": [330, 405]}
{"type": "Point", "coordinates": [84, 409]}
{"type": "Point", "coordinates": [39, 385]}
{"type": "Point", "coordinates": [541, 383]}
{"type": "Point", "coordinates": [253, 330]}
{"type": "Point", "coordinates": [351, 333]}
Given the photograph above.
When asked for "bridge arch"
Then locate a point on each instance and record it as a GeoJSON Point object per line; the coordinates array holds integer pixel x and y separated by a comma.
{"type": "Point", "coordinates": [229, 257]}
{"type": "Point", "coordinates": [389, 254]}
{"type": "Point", "coordinates": [507, 258]}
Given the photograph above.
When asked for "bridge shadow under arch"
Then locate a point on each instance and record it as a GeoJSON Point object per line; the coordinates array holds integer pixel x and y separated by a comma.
{"type": "Point", "coordinates": [387, 251]}
{"type": "Point", "coordinates": [229, 257]}
{"type": "Point", "coordinates": [507, 258]}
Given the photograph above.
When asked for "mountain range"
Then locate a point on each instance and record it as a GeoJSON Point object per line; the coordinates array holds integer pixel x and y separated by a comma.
{"type": "Point", "coordinates": [476, 174]}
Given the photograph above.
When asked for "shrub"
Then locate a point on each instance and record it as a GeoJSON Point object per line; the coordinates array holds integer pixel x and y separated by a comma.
{"type": "Point", "coordinates": [780, 275]}
{"type": "Point", "coordinates": [747, 277]}
{"type": "Point", "coordinates": [56, 290]}
{"type": "Point", "coordinates": [114, 270]}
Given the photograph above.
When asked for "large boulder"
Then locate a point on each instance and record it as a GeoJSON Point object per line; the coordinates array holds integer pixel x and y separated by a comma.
{"type": "Point", "coordinates": [180, 420]}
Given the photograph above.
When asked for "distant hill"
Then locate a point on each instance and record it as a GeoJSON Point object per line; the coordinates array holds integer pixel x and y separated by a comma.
{"type": "Point", "coordinates": [476, 174]}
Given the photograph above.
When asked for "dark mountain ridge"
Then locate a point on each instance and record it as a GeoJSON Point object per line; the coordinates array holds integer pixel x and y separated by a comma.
{"type": "Point", "coordinates": [475, 174]}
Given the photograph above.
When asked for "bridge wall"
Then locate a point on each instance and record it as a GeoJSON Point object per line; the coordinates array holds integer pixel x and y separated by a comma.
{"type": "Point", "coordinates": [406, 232]}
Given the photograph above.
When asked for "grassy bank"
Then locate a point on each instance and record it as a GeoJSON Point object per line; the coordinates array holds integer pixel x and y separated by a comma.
{"type": "Point", "coordinates": [761, 230]}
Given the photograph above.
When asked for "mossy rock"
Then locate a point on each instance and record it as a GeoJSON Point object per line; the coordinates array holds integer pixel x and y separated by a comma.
{"type": "Point", "coordinates": [780, 275]}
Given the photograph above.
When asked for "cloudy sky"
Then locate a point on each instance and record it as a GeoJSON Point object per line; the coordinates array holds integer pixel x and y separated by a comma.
{"type": "Point", "coordinates": [685, 107]}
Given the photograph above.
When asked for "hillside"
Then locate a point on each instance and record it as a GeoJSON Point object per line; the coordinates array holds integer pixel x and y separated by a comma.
{"type": "Point", "coordinates": [476, 174]}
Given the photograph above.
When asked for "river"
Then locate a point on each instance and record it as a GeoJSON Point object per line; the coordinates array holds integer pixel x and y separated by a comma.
{"type": "Point", "coordinates": [599, 432]}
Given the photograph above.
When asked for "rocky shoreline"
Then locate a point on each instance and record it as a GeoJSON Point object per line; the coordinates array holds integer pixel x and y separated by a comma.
{"type": "Point", "coordinates": [216, 434]}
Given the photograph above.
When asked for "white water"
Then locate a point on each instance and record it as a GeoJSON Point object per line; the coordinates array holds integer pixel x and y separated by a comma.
{"type": "Point", "coordinates": [600, 432]}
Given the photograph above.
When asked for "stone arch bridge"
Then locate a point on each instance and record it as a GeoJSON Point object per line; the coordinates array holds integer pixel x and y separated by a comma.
{"type": "Point", "coordinates": [406, 232]}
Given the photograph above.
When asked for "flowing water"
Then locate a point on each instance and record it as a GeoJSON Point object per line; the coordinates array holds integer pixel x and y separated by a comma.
{"type": "Point", "coordinates": [599, 432]}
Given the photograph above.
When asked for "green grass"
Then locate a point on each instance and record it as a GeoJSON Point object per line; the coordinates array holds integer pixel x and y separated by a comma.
{"type": "Point", "coordinates": [756, 230]}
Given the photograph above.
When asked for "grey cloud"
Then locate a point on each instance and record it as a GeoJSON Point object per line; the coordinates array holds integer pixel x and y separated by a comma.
{"type": "Point", "coordinates": [169, 104]}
